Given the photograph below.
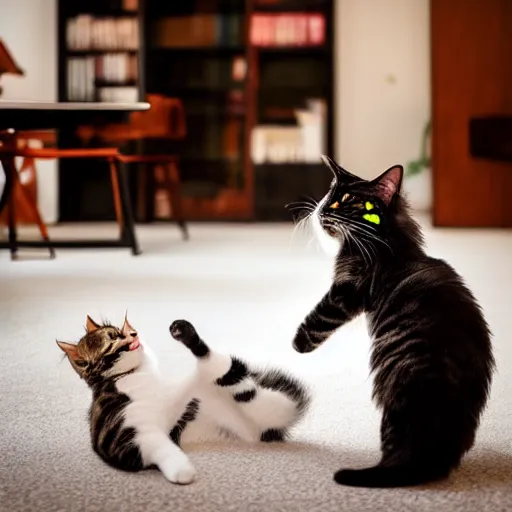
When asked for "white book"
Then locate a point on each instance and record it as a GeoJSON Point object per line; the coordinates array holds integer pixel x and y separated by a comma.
{"type": "Point", "coordinates": [91, 78]}
{"type": "Point", "coordinates": [70, 91]}
{"type": "Point", "coordinates": [71, 34]}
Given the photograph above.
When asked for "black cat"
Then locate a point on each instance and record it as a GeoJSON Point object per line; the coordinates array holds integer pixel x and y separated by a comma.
{"type": "Point", "coordinates": [431, 357]}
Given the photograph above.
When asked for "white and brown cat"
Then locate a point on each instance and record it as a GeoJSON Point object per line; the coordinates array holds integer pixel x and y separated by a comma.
{"type": "Point", "coordinates": [138, 420]}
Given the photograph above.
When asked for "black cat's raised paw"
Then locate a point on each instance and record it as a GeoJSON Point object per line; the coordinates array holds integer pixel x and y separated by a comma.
{"type": "Point", "coordinates": [302, 342]}
{"type": "Point", "coordinates": [185, 332]}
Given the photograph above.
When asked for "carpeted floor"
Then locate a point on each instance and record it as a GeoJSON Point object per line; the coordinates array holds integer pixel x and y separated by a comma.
{"type": "Point", "coordinates": [245, 287]}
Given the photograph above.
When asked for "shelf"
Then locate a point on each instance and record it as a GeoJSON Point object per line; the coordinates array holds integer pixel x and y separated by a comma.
{"type": "Point", "coordinates": [186, 92]}
{"type": "Point", "coordinates": [103, 84]}
{"type": "Point", "coordinates": [290, 6]}
{"type": "Point", "coordinates": [95, 51]}
{"type": "Point", "coordinates": [215, 115]}
{"type": "Point", "coordinates": [207, 160]}
{"type": "Point", "coordinates": [102, 13]}
{"type": "Point", "coordinates": [285, 89]}
{"type": "Point", "coordinates": [294, 50]}
{"type": "Point", "coordinates": [305, 166]}
{"type": "Point", "coordinates": [207, 50]}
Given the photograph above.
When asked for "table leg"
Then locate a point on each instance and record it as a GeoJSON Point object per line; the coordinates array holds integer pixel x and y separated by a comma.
{"type": "Point", "coordinates": [6, 193]}
{"type": "Point", "coordinates": [10, 170]}
{"type": "Point", "coordinates": [128, 233]}
{"type": "Point", "coordinates": [174, 190]}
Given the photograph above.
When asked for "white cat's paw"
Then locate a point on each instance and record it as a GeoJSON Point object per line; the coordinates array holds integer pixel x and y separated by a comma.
{"type": "Point", "coordinates": [183, 475]}
{"type": "Point", "coordinates": [179, 473]}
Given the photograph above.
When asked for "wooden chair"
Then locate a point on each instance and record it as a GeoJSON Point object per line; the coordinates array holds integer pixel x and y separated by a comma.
{"type": "Point", "coordinates": [18, 147]}
{"type": "Point", "coordinates": [164, 121]}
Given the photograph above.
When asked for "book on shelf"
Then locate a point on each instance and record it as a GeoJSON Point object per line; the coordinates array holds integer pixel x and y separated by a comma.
{"type": "Point", "coordinates": [232, 134]}
{"type": "Point", "coordinates": [130, 5]}
{"type": "Point", "coordinates": [80, 79]}
{"type": "Point", "coordinates": [294, 29]}
{"type": "Point", "coordinates": [211, 74]}
{"type": "Point", "coordinates": [118, 94]}
{"type": "Point", "coordinates": [116, 68]}
{"type": "Point", "coordinates": [86, 32]}
{"type": "Point", "coordinates": [199, 30]}
{"type": "Point", "coordinates": [303, 143]}
{"type": "Point", "coordinates": [87, 75]}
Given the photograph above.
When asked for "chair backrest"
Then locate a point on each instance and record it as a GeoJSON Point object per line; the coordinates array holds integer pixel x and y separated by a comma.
{"type": "Point", "coordinates": [164, 120]}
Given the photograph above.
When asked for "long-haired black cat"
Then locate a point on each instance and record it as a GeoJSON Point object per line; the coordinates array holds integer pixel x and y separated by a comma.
{"type": "Point", "coordinates": [431, 356]}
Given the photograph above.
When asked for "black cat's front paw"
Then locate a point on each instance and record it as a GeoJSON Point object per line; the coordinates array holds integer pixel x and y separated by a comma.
{"type": "Point", "coordinates": [185, 333]}
{"type": "Point", "coordinates": [302, 342]}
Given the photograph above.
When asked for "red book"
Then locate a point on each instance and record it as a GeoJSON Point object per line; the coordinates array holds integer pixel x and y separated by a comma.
{"type": "Point", "coordinates": [255, 31]}
{"type": "Point", "coordinates": [302, 30]}
{"type": "Point", "coordinates": [316, 25]}
{"type": "Point", "coordinates": [269, 38]}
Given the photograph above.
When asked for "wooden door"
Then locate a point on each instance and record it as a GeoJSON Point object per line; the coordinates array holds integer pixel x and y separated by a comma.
{"type": "Point", "coordinates": [471, 76]}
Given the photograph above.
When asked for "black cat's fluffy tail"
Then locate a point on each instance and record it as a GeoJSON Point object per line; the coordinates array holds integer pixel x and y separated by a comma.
{"type": "Point", "coordinates": [390, 476]}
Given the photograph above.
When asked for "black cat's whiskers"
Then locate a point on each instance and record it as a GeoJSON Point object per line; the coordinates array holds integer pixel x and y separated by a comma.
{"type": "Point", "coordinates": [373, 238]}
{"type": "Point", "coordinates": [362, 249]}
{"type": "Point", "coordinates": [369, 232]}
{"type": "Point", "coordinates": [360, 234]}
{"type": "Point", "coordinates": [348, 229]}
{"type": "Point", "coordinates": [366, 250]}
{"type": "Point", "coordinates": [307, 207]}
{"type": "Point", "coordinates": [302, 212]}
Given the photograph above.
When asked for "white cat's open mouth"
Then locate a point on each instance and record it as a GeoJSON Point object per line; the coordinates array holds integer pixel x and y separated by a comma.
{"type": "Point", "coordinates": [135, 344]}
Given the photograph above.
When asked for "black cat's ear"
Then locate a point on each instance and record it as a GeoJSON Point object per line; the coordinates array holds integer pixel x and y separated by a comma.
{"type": "Point", "coordinates": [339, 173]}
{"type": "Point", "coordinates": [388, 184]}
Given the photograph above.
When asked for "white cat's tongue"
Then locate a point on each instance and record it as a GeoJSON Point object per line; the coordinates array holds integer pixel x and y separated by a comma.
{"type": "Point", "coordinates": [135, 344]}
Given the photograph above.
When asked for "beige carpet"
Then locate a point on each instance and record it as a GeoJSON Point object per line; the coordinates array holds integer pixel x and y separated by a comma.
{"type": "Point", "coordinates": [245, 288]}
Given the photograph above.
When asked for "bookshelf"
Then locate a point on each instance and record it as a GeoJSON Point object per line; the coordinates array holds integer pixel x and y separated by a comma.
{"type": "Point", "coordinates": [256, 81]}
{"type": "Point", "coordinates": [100, 47]}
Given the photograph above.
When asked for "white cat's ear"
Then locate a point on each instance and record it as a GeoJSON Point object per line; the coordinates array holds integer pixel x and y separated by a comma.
{"type": "Point", "coordinates": [90, 324]}
{"type": "Point", "coordinates": [127, 328]}
{"type": "Point", "coordinates": [69, 349]}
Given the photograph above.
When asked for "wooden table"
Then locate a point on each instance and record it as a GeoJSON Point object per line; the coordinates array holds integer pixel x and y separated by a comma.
{"type": "Point", "coordinates": [66, 116]}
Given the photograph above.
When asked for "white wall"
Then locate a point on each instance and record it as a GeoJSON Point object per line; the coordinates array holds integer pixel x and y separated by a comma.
{"type": "Point", "coordinates": [382, 82]}
{"type": "Point", "coordinates": [29, 29]}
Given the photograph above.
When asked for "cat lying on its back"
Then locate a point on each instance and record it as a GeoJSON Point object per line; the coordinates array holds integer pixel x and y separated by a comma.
{"type": "Point", "coordinates": [137, 420]}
